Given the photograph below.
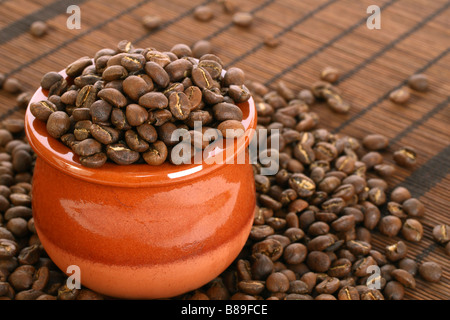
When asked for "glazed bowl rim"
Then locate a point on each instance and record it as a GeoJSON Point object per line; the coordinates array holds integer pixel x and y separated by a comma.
{"type": "Point", "coordinates": [61, 157]}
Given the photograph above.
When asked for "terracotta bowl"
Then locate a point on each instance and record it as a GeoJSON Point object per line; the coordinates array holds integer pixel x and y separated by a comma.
{"type": "Point", "coordinates": [140, 231]}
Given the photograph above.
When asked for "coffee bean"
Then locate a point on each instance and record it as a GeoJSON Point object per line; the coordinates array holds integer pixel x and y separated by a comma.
{"type": "Point", "coordinates": [113, 97]}
{"type": "Point", "coordinates": [404, 277]}
{"type": "Point", "coordinates": [156, 154]}
{"type": "Point", "coordinates": [396, 251]}
{"type": "Point", "coordinates": [418, 82]}
{"type": "Point", "coordinates": [394, 291]}
{"type": "Point", "coordinates": [390, 225]}
{"type": "Point", "coordinates": [318, 261]}
{"type": "Point", "coordinates": [151, 22]}
{"type": "Point", "coordinates": [400, 96]}
{"type": "Point", "coordinates": [94, 161]}
{"type": "Point", "coordinates": [42, 109]}
{"type": "Point", "coordinates": [58, 123]}
{"type": "Point", "coordinates": [330, 74]}
{"type": "Point", "coordinates": [375, 142]}
{"type": "Point", "coordinates": [179, 105]}
{"type": "Point", "coordinates": [200, 48]}
{"type": "Point", "coordinates": [405, 157]}
{"type": "Point", "coordinates": [413, 208]}
{"type": "Point", "coordinates": [412, 230]}
{"type": "Point", "coordinates": [409, 265]}
{"type": "Point", "coordinates": [181, 50]}
{"type": "Point", "coordinates": [157, 73]}
{"type": "Point", "coordinates": [76, 68]}
{"type": "Point", "coordinates": [87, 147]}
{"type": "Point", "coordinates": [430, 271]}
{"type": "Point", "coordinates": [441, 233]}
{"type": "Point", "coordinates": [38, 28]}
{"type": "Point", "coordinates": [400, 194]}
{"type": "Point", "coordinates": [242, 19]}
{"type": "Point", "coordinates": [203, 13]}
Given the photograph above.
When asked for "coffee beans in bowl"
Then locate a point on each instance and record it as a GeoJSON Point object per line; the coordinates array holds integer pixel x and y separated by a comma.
{"type": "Point", "coordinates": [124, 104]}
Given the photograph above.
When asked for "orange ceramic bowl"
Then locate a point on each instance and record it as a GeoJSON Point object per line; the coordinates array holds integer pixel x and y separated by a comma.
{"type": "Point", "coordinates": [140, 231]}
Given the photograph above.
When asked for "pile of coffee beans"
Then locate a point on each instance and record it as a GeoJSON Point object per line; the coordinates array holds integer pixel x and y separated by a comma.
{"type": "Point", "coordinates": [124, 104]}
{"type": "Point", "coordinates": [314, 221]}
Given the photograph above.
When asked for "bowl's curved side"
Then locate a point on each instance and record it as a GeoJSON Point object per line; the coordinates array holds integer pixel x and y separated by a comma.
{"type": "Point", "coordinates": [149, 242]}
{"type": "Point", "coordinates": [137, 175]}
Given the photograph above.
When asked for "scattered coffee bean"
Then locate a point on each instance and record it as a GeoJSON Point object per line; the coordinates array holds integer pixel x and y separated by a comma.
{"type": "Point", "coordinates": [203, 13]}
{"type": "Point", "coordinates": [418, 82]}
{"type": "Point", "coordinates": [405, 157]}
{"type": "Point", "coordinates": [242, 19]}
{"type": "Point", "coordinates": [151, 22]}
{"type": "Point", "coordinates": [430, 271]}
{"type": "Point", "coordinates": [330, 74]}
{"type": "Point", "coordinates": [38, 28]}
{"type": "Point", "coordinates": [400, 96]}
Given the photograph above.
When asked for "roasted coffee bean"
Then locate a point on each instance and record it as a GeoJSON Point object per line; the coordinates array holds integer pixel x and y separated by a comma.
{"type": "Point", "coordinates": [156, 154]}
{"type": "Point", "coordinates": [441, 233]}
{"type": "Point", "coordinates": [121, 154]}
{"type": "Point", "coordinates": [94, 161]}
{"type": "Point", "coordinates": [201, 78]}
{"type": "Point", "coordinates": [400, 96]}
{"type": "Point", "coordinates": [295, 253]}
{"type": "Point", "coordinates": [49, 79]}
{"type": "Point", "coordinates": [136, 115]}
{"type": "Point", "coordinates": [377, 196]}
{"type": "Point", "coordinates": [304, 153]}
{"type": "Point", "coordinates": [119, 120]}
{"type": "Point", "coordinates": [58, 123]}
{"type": "Point", "coordinates": [157, 73]}
{"type": "Point", "coordinates": [412, 230]}
{"type": "Point", "coordinates": [179, 105]}
{"type": "Point", "coordinates": [330, 74]}
{"type": "Point", "coordinates": [82, 130]}
{"type": "Point", "coordinates": [394, 291]}
{"type": "Point", "coordinates": [76, 68]}
{"type": "Point", "coordinates": [136, 86]}
{"type": "Point", "coordinates": [409, 265]}
{"type": "Point", "coordinates": [81, 114]}
{"type": "Point", "coordinates": [396, 251]}
{"type": "Point", "coordinates": [113, 97]}
{"type": "Point", "coordinates": [340, 268]}
{"type": "Point", "coordinates": [179, 69]}
{"type": "Point", "coordinates": [134, 141]}
{"type": "Point", "coordinates": [405, 157]}
{"type": "Point", "coordinates": [151, 22]}
{"type": "Point", "coordinates": [154, 100]}
{"type": "Point", "coordinates": [302, 184]}
{"type": "Point", "coordinates": [358, 247]}
{"type": "Point", "coordinates": [133, 62]}
{"type": "Point", "coordinates": [203, 13]}
{"type": "Point", "coordinates": [87, 147]}
{"type": "Point", "coordinates": [344, 223]}
{"type": "Point", "coordinates": [38, 28]}
{"type": "Point", "coordinates": [42, 109]}
{"type": "Point", "coordinates": [318, 261]}
{"type": "Point", "coordinates": [418, 82]}
{"type": "Point", "coordinates": [384, 170]}
{"type": "Point", "coordinates": [375, 142]}
{"type": "Point", "coordinates": [261, 266]}
{"type": "Point", "coordinates": [413, 208]}
{"type": "Point", "coordinates": [242, 19]}
{"type": "Point", "coordinates": [114, 72]}
{"type": "Point", "coordinates": [103, 134]}
{"type": "Point", "coordinates": [100, 112]}
{"type": "Point", "coordinates": [371, 159]}
{"type": "Point", "coordinates": [404, 277]}
{"type": "Point", "coordinates": [231, 129]}
{"type": "Point", "coordinates": [430, 271]}
{"type": "Point", "coordinates": [390, 225]}
{"type": "Point", "coordinates": [400, 194]}
{"type": "Point", "coordinates": [200, 48]}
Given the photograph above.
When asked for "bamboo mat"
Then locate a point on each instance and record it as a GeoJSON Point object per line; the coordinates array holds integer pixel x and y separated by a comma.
{"type": "Point", "coordinates": [414, 37]}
